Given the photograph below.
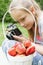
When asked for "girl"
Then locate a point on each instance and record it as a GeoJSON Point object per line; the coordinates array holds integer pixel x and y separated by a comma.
{"type": "Point", "coordinates": [20, 11]}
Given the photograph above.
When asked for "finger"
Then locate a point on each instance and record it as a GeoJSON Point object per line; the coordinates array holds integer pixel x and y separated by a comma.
{"type": "Point", "coordinates": [18, 38]}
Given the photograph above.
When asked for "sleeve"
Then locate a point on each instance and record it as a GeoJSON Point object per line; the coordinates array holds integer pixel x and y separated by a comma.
{"type": "Point", "coordinates": [40, 24]}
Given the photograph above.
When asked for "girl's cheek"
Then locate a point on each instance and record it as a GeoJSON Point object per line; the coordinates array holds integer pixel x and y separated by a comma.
{"type": "Point", "coordinates": [28, 20]}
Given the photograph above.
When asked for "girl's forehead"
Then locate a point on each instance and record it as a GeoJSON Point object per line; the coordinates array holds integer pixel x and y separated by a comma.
{"type": "Point", "coordinates": [18, 13]}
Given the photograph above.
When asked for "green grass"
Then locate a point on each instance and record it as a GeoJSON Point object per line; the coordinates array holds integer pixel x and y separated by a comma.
{"type": "Point", "coordinates": [1, 33]}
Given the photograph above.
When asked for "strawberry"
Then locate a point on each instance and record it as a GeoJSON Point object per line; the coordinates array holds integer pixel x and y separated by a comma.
{"type": "Point", "coordinates": [12, 52]}
{"type": "Point", "coordinates": [20, 49]}
{"type": "Point", "coordinates": [17, 43]}
{"type": "Point", "coordinates": [27, 44]}
{"type": "Point", "coordinates": [30, 50]}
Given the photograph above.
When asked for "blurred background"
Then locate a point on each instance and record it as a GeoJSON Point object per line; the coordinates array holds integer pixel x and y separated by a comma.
{"type": "Point", "coordinates": [4, 4]}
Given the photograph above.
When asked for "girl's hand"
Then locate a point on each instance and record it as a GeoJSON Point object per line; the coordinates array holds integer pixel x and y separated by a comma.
{"type": "Point", "coordinates": [23, 39]}
{"type": "Point", "coordinates": [20, 38]}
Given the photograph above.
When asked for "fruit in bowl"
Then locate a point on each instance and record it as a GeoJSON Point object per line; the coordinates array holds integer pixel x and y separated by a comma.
{"type": "Point", "coordinates": [19, 48]}
{"type": "Point", "coordinates": [21, 53]}
{"type": "Point", "coordinates": [12, 52]}
{"type": "Point", "coordinates": [27, 44]}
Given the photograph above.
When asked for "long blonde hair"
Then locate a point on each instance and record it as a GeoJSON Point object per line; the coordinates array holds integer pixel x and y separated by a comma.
{"type": "Point", "coordinates": [24, 3]}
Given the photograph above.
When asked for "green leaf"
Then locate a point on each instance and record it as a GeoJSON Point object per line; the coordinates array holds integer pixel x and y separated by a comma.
{"type": "Point", "coordinates": [23, 30]}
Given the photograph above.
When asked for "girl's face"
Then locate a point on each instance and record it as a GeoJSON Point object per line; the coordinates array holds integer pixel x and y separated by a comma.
{"type": "Point", "coordinates": [24, 18]}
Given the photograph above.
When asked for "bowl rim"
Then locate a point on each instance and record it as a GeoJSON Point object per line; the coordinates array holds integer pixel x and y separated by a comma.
{"type": "Point", "coordinates": [20, 58]}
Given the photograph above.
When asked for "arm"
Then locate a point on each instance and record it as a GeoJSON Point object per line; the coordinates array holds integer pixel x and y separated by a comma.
{"type": "Point", "coordinates": [39, 48]}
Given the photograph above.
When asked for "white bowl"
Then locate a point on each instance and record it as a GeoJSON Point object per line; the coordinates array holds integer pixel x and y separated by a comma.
{"type": "Point", "coordinates": [20, 60]}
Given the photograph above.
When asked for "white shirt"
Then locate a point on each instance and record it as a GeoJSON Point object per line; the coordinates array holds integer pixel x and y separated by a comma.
{"type": "Point", "coordinates": [40, 27]}
{"type": "Point", "coordinates": [40, 23]}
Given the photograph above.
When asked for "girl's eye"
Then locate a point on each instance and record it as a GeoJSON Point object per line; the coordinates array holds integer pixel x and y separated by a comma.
{"type": "Point", "coordinates": [22, 19]}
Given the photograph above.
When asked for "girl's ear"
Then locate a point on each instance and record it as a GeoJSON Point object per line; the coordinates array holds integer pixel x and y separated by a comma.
{"type": "Point", "coordinates": [32, 9]}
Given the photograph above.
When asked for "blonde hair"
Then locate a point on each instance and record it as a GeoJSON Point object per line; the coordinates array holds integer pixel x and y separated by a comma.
{"type": "Point", "coordinates": [24, 3]}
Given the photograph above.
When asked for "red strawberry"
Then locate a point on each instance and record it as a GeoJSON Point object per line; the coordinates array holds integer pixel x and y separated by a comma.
{"type": "Point", "coordinates": [20, 49]}
{"type": "Point", "coordinates": [30, 50]}
{"type": "Point", "coordinates": [27, 44]}
{"type": "Point", "coordinates": [17, 43]}
{"type": "Point", "coordinates": [12, 52]}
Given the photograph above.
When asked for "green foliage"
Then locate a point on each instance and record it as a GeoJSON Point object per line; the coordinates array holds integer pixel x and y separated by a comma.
{"type": "Point", "coordinates": [40, 3]}
{"type": "Point", "coordinates": [38, 0]}
{"type": "Point", "coordinates": [9, 19]}
{"type": "Point", "coordinates": [3, 7]}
